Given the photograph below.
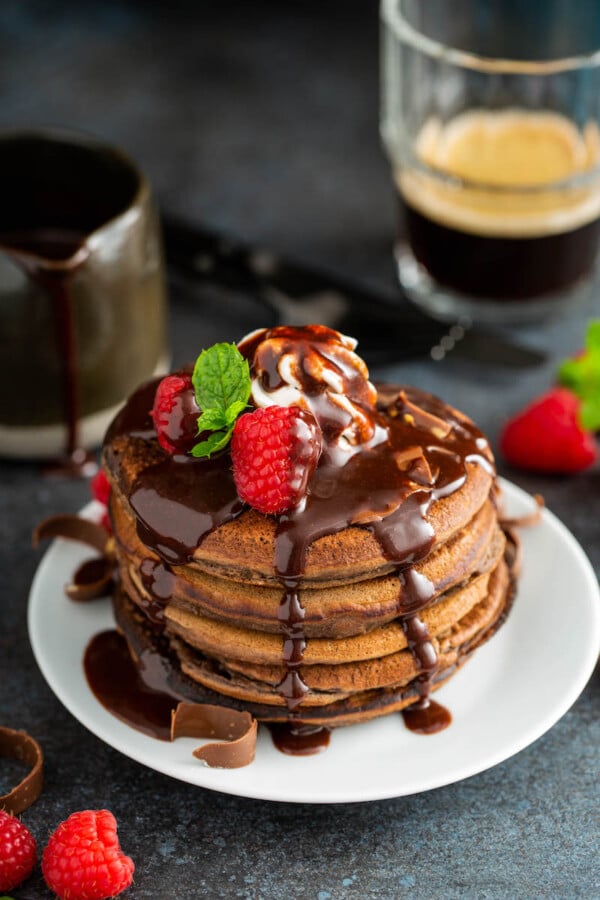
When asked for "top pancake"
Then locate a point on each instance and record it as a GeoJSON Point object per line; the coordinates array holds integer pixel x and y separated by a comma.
{"type": "Point", "coordinates": [436, 454]}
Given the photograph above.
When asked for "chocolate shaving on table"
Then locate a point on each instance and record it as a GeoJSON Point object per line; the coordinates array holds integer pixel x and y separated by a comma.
{"type": "Point", "coordinates": [21, 746]}
{"type": "Point", "coordinates": [76, 529]}
{"type": "Point", "coordinates": [235, 728]}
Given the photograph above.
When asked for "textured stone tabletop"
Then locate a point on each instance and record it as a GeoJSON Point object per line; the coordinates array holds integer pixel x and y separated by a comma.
{"type": "Point", "coordinates": [261, 119]}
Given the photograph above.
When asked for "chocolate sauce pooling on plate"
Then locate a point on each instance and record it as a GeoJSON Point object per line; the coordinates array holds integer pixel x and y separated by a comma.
{"type": "Point", "coordinates": [117, 682]}
{"type": "Point", "coordinates": [299, 740]}
{"type": "Point", "coordinates": [428, 718]}
{"type": "Point", "coordinates": [386, 488]}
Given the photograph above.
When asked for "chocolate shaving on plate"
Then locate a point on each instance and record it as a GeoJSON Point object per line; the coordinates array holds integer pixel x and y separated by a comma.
{"type": "Point", "coordinates": [21, 746]}
{"type": "Point", "coordinates": [236, 729]}
{"type": "Point", "coordinates": [94, 577]}
{"type": "Point", "coordinates": [75, 528]}
{"type": "Point", "coordinates": [527, 520]}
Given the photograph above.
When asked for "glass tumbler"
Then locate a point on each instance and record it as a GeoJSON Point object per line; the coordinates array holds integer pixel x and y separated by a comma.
{"type": "Point", "coordinates": [490, 118]}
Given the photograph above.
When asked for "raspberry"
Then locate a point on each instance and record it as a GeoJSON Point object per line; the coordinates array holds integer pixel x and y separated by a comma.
{"type": "Point", "coordinates": [546, 436]}
{"type": "Point", "coordinates": [274, 452]}
{"type": "Point", "coordinates": [100, 487]}
{"type": "Point", "coordinates": [83, 859]}
{"type": "Point", "coordinates": [17, 852]}
{"type": "Point", "coordinates": [175, 413]}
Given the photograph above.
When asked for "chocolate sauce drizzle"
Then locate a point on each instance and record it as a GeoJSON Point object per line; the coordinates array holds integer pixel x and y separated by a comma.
{"type": "Point", "coordinates": [158, 580]}
{"type": "Point", "coordinates": [386, 488]}
{"type": "Point", "coordinates": [51, 257]}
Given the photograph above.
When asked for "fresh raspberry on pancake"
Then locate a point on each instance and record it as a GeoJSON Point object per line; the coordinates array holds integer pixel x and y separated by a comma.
{"type": "Point", "coordinates": [175, 413]}
{"type": "Point", "coordinates": [274, 451]}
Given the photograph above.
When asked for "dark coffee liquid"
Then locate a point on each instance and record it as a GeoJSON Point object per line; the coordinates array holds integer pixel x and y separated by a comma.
{"type": "Point", "coordinates": [500, 268]}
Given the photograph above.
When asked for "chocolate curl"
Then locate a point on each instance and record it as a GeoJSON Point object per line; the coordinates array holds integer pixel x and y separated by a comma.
{"type": "Point", "coordinates": [528, 520]}
{"type": "Point", "coordinates": [76, 529]}
{"type": "Point", "coordinates": [94, 578]}
{"type": "Point", "coordinates": [19, 745]}
{"type": "Point", "coordinates": [237, 729]}
{"type": "Point", "coordinates": [420, 418]}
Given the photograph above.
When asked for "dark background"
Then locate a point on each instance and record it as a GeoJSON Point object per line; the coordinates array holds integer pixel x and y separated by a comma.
{"type": "Point", "coordinates": [260, 119]}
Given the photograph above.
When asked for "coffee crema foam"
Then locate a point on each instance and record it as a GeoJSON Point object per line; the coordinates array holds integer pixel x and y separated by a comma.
{"type": "Point", "coordinates": [511, 164]}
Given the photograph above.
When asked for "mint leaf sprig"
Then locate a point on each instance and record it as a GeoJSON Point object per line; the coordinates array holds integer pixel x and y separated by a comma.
{"type": "Point", "coordinates": [581, 375]}
{"type": "Point", "coordinates": [222, 385]}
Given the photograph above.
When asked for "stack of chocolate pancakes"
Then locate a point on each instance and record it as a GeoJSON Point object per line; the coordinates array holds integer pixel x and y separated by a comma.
{"type": "Point", "coordinates": [359, 601]}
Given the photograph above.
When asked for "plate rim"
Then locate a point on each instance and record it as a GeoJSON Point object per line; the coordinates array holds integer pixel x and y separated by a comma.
{"type": "Point", "coordinates": [356, 793]}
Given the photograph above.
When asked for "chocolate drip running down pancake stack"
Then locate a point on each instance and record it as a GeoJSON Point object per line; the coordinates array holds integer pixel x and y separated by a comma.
{"type": "Point", "coordinates": [359, 601]}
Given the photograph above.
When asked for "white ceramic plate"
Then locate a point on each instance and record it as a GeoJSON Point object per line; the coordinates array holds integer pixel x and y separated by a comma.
{"type": "Point", "coordinates": [512, 691]}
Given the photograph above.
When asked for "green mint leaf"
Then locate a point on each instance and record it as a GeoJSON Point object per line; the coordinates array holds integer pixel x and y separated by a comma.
{"type": "Point", "coordinates": [222, 385]}
{"type": "Point", "coordinates": [582, 376]}
{"type": "Point", "coordinates": [221, 377]}
{"type": "Point", "coordinates": [214, 442]}
{"type": "Point", "coordinates": [233, 411]}
{"type": "Point", "coordinates": [212, 420]}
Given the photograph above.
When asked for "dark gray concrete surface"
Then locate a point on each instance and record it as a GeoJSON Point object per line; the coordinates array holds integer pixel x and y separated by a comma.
{"type": "Point", "coordinates": [261, 119]}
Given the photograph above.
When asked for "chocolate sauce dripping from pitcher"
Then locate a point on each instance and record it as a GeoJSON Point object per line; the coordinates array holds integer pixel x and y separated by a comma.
{"type": "Point", "coordinates": [51, 257]}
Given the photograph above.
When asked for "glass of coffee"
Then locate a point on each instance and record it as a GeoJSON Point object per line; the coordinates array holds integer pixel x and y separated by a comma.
{"type": "Point", "coordinates": [490, 117]}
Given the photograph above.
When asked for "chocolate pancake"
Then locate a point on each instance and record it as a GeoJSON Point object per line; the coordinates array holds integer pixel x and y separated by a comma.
{"type": "Point", "coordinates": [198, 678]}
{"type": "Point", "coordinates": [336, 611]}
{"type": "Point", "coordinates": [360, 598]}
{"type": "Point", "coordinates": [226, 539]}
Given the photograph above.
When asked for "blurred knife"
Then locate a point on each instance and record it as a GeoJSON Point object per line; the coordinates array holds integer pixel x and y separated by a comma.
{"type": "Point", "coordinates": [389, 327]}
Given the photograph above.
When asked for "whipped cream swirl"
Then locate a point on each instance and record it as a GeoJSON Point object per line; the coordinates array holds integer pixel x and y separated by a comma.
{"type": "Point", "coordinates": [315, 368]}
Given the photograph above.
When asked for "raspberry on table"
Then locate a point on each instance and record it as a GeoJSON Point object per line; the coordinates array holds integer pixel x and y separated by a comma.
{"type": "Point", "coordinates": [83, 859]}
{"type": "Point", "coordinates": [274, 452]}
{"type": "Point", "coordinates": [175, 413]}
{"type": "Point", "coordinates": [17, 852]}
{"type": "Point", "coordinates": [547, 437]}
